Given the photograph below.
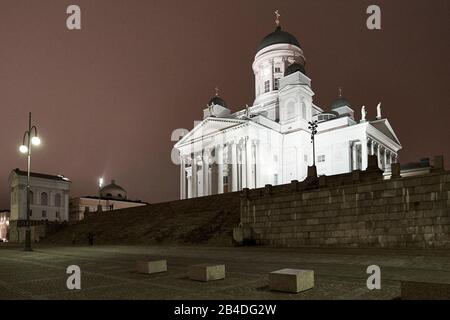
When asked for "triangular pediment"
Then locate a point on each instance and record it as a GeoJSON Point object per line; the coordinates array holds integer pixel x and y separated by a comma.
{"type": "Point", "coordinates": [208, 127]}
{"type": "Point", "coordinates": [385, 128]}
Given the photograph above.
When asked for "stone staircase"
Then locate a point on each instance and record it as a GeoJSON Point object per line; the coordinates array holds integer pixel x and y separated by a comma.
{"type": "Point", "coordinates": [205, 220]}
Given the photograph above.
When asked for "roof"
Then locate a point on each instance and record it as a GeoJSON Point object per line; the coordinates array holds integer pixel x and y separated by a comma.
{"type": "Point", "coordinates": [41, 175]}
{"type": "Point", "coordinates": [278, 36]}
{"type": "Point", "coordinates": [119, 200]}
{"type": "Point", "coordinates": [294, 68]}
{"type": "Point", "coordinates": [217, 100]}
{"type": "Point", "coordinates": [423, 163]}
{"type": "Point", "coordinates": [340, 102]}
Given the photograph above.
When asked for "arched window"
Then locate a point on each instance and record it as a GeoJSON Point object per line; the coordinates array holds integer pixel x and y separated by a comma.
{"type": "Point", "coordinates": [57, 200]}
{"type": "Point", "coordinates": [44, 199]}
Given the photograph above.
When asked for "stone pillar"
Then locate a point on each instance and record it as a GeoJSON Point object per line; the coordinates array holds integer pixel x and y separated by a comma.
{"type": "Point", "coordinates": [372, 147]}
{"type": "Point", "coordinates": [379, 156]}
{"type": "Point", "coordinates": [219, 159]}
{"type": "Point", "coordinates": [243, 164]}
{"type": "Point", "coordinates": [258, 161]}
{"type": "Point", "coordinates": [364, 154]}
{"type": "Point", "coordinates": [385, 159]}
{"type": "Point", "coordinates": [354, 156]}
{"type": "Point", "coordinates": [182, 178]}
{"type": "Point", "coordinates": [189, 186]}
{"type": "Point", "coordinates": [250, 162]}
{"type": "Point", "coordinates": [194, 177]}
{"type": "Point", "coordinates": [234, 164]}
{"type": "Point", "coordinates": [205, 170]}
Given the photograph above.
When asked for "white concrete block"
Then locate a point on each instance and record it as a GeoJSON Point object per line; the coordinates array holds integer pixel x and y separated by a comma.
{"type": "Point", "coordinates": [291, 280]}
{"type": "Point", "coordinates": [207, 272]}
{"type": "Point", "coordinates": [149, 267]}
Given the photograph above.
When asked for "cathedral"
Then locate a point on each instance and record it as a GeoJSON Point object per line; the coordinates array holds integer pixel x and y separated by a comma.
{"type": "Point", "coordinates": [270, 141]}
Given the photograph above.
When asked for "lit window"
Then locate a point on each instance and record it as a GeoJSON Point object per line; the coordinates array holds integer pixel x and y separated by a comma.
{"type": "Point", "coordinates": [276, 84]}
{"type": "Point", "coordinates": [266, 86]}
{"type": "Point", "coordinates": [321, 158]}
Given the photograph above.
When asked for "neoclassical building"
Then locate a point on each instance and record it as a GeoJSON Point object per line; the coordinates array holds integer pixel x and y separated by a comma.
{"type": "Point", "coordinates": [111, 197]}
{"type": "Point", "coordinates": [49, 196]}
{"type": "Point", "coordinates": [269, 142]}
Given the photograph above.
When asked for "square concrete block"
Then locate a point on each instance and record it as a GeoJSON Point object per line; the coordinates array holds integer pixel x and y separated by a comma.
{"type": "Point", "coordinates": [149, 267]}
{"type": "Point", "coordinates": [207, 272]}
{"type": "Point", "coordinates": [291, 280]}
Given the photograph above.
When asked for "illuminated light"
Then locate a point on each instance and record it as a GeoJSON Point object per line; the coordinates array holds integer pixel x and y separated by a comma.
{"type": "Point", "coordinates": [23, 149]}
{"type": "Point", "coordinates": [36, 141]}
{"type": "Point", "coordinates": [100, 182]}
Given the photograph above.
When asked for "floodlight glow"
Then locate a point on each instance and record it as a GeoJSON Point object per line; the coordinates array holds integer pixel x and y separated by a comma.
{"type": "Point", "coordinates": [23, 149]}
{"type": "Point", "coordinates": [100, 182]}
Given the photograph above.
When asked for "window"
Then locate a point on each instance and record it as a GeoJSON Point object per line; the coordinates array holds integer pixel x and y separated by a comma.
{"type": "Point", "coordinates": [321, 158]}
{"type": "Point", "coordinates": [275, 179]}
{"type": "Point", "coordinates": [277, 69]}
{"type": "Point", "coordinates": [305, 157]}
{"type": "Point", "coordinates": [57, 214]}
{"type": "Point", "coordinates": [266, 86]}
{"type": "Point", "coordinates": [304, 110]}
{"type": "Point", "coordinates": [44, 214]}
{"type": "Point", "coordinates": [276, 84]}
{"type": "Point", "coordinates": [57, 200]}
{"type": "Point", "coordinates": [31, 197]}
{"type": "Point", "coordinates": [44, 199]}
{"type": "Point", "coordinates": [31, 212]}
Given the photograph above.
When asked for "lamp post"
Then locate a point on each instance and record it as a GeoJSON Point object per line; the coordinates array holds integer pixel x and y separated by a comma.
{"type": "Point", "coordinates": [312, 171]}
{"type": "Point", "coordinates": [30, 138]}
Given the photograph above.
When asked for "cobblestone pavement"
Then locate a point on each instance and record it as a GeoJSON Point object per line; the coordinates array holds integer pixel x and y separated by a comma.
{"type": "Point", "coordinates": [108, 272]}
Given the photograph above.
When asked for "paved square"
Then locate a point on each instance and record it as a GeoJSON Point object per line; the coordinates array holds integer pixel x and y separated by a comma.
{"type": "Point", "coordinates": [109, 272]}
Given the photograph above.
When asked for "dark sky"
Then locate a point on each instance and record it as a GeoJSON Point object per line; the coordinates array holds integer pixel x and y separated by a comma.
{"type": "Point", "coordinates": [107, 98]}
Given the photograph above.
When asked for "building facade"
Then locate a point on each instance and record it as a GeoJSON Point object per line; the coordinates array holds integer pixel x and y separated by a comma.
{"type": "Point", "coordinates": [270, 141]}
{"type": "Point", "coordinates": [111, 197]}
{"type": "Point", "coordinates": [49, 196]}
{"type": "Point", "coordinates": [4, 225]}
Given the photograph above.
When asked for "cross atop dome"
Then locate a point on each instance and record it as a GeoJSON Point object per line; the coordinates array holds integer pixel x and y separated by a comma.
{"type": "Point", "coordinates": [340, 92]}
{"type": "Point", "coordinates": [217, 91]}
{"type": "Point", "coordinates": [277, 17]}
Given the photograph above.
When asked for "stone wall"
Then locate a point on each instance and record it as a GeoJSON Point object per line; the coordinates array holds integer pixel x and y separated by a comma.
{"type": "Point", "coordinates": [359, 209]}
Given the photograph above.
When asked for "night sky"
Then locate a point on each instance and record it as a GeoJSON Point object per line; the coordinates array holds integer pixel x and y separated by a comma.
{"type": "Point", "coordinates": [107, 98]}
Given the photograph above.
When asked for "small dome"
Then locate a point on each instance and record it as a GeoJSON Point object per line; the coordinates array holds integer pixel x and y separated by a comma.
{"type": "Point", "coordinates": [113, 191]}
{"type": "Point", "coordinates": [278, 36]}
{"type": "Point", "coordinates": [340, 102]}
{"type": "Point", "coordinates": [217, 100]}
{"type": "Point", "coordinates": [293, 68]}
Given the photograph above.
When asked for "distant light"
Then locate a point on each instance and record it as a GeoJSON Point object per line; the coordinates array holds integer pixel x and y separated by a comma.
{"type": "Point", "coordinates": [23, 149]}
{"type": "Point", "coordinates": [100, 182]}
{"type": "Point", "coordinates": [36, 141]}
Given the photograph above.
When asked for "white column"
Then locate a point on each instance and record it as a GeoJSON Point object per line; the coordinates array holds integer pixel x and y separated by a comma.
{"type": "Point", "coordinates": [205, 169]}
{"type": "Point", "coordinates": [372, 147]}
{"type": "Point", "coordinates": [354, 157]}
{"type": "Point", "coordinates": [249, 159]}
{"type": "Point", "coordinates": [379, 156]}
{"type": "Point", "coordinates": [189, 186]}
{"type": "Point", "coordinates": [219, 157]}
{"type": "Point", "coordinates": [182, 178]}
{"type": "Point", "coordinates": [243, 164]}
{"type": "Point", "coordinates": [194, 177]}
{"type": "Point", "coordinates": [234, 164]}
{"type": "Point", "coordinates": [385, 158]}
{"type": "Point", "coordinates": [364, 154]}
{"type": "Point", "coordinates": [258, 175]}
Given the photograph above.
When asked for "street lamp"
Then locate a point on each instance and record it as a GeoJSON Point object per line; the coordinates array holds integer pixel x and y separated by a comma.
{"type": "Point", "coordinates": [30, 138]}
{"type": "Point", "coordinates": [313, 128]}
{"type": "Point", "coordinates": [312, 171]}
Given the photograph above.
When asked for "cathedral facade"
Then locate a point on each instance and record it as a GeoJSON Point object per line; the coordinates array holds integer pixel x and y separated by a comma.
{"type": "Point", "coordinates": [270, 141]}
